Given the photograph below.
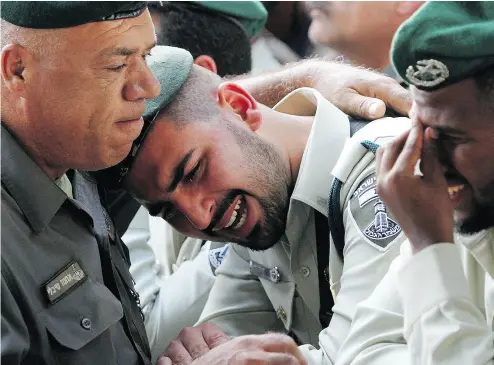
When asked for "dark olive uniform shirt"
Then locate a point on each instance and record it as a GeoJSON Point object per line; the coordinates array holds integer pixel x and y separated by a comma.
{"type": "Point", "coordinates": [66, 296]}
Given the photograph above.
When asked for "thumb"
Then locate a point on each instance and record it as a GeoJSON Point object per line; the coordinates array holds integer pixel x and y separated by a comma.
{"type": "Point", "coordinates": [352, 103]}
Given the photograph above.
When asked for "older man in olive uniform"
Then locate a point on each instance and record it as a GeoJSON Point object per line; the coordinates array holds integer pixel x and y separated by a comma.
{"type": "Point", "coordinates": [67, 296]}
{"type": "Point", "coordinates": [436, 303]}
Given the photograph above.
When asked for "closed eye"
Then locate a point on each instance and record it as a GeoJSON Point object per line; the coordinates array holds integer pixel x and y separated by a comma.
{"type": "Point", "coordinates": [117, 68]}
{"type": "Point", "coordinates": [191, 176]}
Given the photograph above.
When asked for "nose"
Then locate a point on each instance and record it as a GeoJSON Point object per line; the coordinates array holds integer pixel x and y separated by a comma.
{"type": "Point", "coordinates": [142, 84]}
{"type": "Point", "coordinates": [198, 211]}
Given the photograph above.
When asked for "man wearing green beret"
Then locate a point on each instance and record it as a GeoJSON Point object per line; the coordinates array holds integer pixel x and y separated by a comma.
{"type": "Point", "coordinates": [263, 196]}
{"type": "Point", "coordinates": [74, 83]}
{"type": "Point", "coordinates": [436, 304]}
{"type": "Point", "coordinates": [218, 36]}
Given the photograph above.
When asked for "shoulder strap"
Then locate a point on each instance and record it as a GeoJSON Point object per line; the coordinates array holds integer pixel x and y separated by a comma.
{"type": "Point", "coordinates": [325, 296]}
{"type": "Point", "coordinates": [335, 213]}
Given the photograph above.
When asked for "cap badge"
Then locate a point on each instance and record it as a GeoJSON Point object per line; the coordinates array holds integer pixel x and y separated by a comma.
{"type": "Point", "coordinates": [428, 73]}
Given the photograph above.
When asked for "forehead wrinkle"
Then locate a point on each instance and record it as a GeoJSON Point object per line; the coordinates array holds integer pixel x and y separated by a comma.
{"type": "Point", "coordinates": [90, 34]}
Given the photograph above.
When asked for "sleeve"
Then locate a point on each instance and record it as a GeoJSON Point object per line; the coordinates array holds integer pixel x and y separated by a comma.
{"type": "Point", "coordinates": [15, 334]}
{"type": "Point", "coordinates": [372, 242]}
{"type": "Point", "coordinates": [238, 303]}
{"type": "Point", "coordinates": [376, 335]}
{"type": "Point", "coordinates": [168, 305]}
{"type": "Point", "coordinates": [443, 324]}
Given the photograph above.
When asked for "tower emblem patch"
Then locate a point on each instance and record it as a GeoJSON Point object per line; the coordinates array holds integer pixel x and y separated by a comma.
{"type": "Point", "coordinates": [370, 215]}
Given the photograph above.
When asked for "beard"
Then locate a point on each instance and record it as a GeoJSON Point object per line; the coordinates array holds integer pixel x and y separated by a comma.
{"type": "Point", "coordinates": [271, 176]}
{"type": "Point", "coordinates": [482, 216]}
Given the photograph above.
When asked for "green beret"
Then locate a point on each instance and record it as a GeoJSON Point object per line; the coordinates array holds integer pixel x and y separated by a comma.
{"type": "Point", "coordinates": [65, 14]}
{"type": "Point", "coordinates": [250, 14]}
{"type": "Point", "coordinates": [444, 42]}
{"type": "Point", "coordinates": [172, 67]}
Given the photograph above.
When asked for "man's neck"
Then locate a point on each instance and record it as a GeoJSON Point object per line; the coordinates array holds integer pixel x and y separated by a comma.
{"type": "Point", "coordinates": [53, 172]}
{"type": "Point", "coordinates": [288, 133]}
{"type": "Point", "coordinates": [376, 58]}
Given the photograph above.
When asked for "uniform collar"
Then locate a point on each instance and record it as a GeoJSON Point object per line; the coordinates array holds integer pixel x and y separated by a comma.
{"type": "Point", "coordinates": [329, 132]}
{"type": "Point", "coordinates": [37, 196]}
{"type": "Point", "coordinates": [481, 247]}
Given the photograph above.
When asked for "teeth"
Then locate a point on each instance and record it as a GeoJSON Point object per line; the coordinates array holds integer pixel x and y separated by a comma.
{"type": "Point", "coordinates": [237, 206]}
{"type": "Point", "coordinates": [232, 219]}
{"type": "Point", "coordinates": [455, 189]}
{"type": "Point", "coordinates": [241, 222]}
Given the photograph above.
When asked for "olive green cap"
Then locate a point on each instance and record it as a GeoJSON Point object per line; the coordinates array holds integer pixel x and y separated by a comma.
{"type": "Point", "coordinates": [66, 14]}
{"type": "Point", "coordinates": [444, 42]}
{"type": "Point", "coordinates": [172, 67]}
{"type": "Point", "coordinates": [250, 14]}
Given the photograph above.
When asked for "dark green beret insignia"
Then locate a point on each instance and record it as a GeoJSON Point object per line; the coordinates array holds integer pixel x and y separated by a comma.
{"type": "Point", "coordinates": [444, 42]}
{"type": "Point", "coordinates": [66, 14]}
{"type": "Point", "coordinates": [427, 73]}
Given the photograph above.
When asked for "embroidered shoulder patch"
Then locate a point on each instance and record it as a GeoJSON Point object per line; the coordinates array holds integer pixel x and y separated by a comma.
{"type": "Point", "coordinates": [216, 256]}
{"type": "Point", "coordinates": [370, 215]}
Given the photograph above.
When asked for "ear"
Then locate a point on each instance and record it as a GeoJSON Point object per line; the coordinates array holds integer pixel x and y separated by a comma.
{"type": "Point", "coordinates": [207, 62]}
{"type": "Point", "coordinates": [13, 60]}
{"type": "Point", "coordinates": [407, 8]}
{"type": "Point", "coordinates": [241, 102]}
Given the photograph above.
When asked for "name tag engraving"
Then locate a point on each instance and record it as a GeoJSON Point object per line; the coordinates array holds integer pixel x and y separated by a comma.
{"type": "Point", "coordinates": [66, 280]}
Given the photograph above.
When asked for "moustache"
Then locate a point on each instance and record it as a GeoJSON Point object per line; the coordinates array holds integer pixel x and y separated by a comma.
{"type": "Point", "coordinates": [222, 208]}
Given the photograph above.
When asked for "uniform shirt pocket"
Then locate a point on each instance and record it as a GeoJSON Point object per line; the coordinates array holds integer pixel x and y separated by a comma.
{"type": "Point", "coordinates": [82, 315]}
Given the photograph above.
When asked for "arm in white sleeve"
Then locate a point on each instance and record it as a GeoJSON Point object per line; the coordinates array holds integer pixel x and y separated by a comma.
{"type": "Point", "coordinates": [376, 335]}
{"type": "Point", "coordinates": [443, 325]}
{"type": "Point", "coordinates": [364, 267]}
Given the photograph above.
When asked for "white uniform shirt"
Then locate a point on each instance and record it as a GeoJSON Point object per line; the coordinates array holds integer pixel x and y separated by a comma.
{"type": "Point", "coordinates": [173, 276]}
{"type": "Point", "coordinates": [243, 302]}
{"type": "Point", "coordinates": [435, 307]}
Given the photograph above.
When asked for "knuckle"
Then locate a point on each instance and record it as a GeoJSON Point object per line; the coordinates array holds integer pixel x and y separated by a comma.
{"type": "Point", "coordinates": [171, 348]}
{"type": "Point", "coordinates": [198, 350]}
{"type": "Point", "coordinates": [187, 331]}
{"type": "Point", "coordinates": [239, 358]}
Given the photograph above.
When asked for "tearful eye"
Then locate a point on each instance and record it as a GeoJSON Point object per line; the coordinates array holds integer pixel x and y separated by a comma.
{"type": "Point", "coordinates": [191, 176]}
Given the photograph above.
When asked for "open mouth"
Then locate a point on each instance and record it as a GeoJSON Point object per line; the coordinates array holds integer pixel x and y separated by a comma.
{"type": "Point", "coordinates": [455, 190]}
{"type": "Point", "coordinates": [235, 216]}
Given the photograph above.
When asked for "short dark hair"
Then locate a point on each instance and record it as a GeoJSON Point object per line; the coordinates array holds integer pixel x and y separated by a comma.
{"type": "Point", "coordinates": [203, 32]}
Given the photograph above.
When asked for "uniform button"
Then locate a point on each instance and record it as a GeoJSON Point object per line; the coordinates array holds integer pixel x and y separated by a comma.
{"type": "Point", "coordinates": [281, 313]}
{"type": "Point", "coordinates": [305, 271]}
{"type": "Point", "coordinates": [86, 323]}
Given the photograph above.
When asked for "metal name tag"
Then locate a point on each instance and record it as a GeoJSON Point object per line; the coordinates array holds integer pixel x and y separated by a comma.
{"type": "Point", "coordinates": [66, 280]}
{"type": "Point", "coordinates": [272, 274]}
